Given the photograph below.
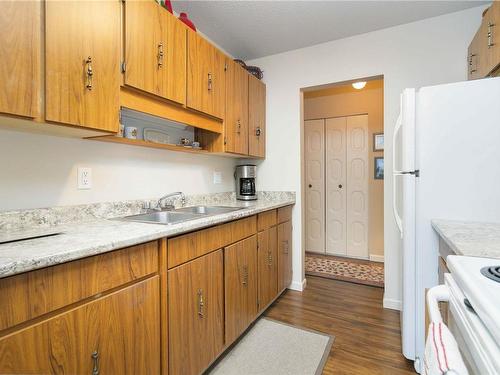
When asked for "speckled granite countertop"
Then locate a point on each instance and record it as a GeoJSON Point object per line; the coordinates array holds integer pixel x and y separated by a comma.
{"type": "Point", "coordinates": [470, 238]}
{"type": "Point", "coordinates": [96, 235]}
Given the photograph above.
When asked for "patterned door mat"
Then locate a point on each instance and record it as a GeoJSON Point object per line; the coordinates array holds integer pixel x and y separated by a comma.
{"type": "Point", "coordinates": [345, 269]}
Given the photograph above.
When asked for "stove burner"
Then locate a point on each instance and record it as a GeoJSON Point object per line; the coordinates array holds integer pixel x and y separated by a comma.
{"type": "Point", "coordinates": [492, 273]}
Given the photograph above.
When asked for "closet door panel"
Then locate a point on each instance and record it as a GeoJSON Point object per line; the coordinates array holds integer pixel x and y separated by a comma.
{"type": "Point", "coordinates": [314, 147]}
{"type": "Point", "coordinates": [336, 212]}
{"type": "Point", "coordinates": [357, 186]}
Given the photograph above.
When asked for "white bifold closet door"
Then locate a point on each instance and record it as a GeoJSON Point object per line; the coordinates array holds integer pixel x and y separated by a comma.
{"type": "Point", "coordinates": [357, 186]}
{"type": "Point", "coordinates": [336, 167]}
{"type": "Point", "coordinates": [314, 151]}
{"type": "Point", "coordinates": [336, 181]}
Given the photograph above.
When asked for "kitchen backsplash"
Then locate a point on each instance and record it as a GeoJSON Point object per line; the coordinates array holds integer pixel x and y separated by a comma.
{"type": "Point", "coordinates": [53, 216]}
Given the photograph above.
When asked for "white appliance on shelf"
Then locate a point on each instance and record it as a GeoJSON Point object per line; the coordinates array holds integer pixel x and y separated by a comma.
{"type": "Point", "coordinates": [474, 313]}
{"type": "Point", "coordinates": [446, 164]}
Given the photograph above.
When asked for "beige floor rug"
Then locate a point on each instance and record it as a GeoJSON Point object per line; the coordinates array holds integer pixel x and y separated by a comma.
{"type": "Point", "coordinates": [274, 348]}
{"type": "Point", "coordinates": [346, 269]}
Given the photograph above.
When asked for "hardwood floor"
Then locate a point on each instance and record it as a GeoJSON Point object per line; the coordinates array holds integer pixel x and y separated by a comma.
{"type": "Point", "coordinates": [367, 336]}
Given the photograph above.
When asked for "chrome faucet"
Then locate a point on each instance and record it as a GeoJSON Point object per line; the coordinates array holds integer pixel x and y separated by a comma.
{"type": "Point", "coordinates": [161, 206]}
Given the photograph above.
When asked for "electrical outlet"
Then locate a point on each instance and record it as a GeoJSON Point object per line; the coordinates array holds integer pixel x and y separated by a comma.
{"type": "Point", "coordinates": [217, 177]}
{"type": "Point", "coordinates": [84, 178]}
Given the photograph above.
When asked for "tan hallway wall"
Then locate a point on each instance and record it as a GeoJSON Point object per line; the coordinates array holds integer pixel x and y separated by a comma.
{"type": "Point", "coordinates": [346, 101]}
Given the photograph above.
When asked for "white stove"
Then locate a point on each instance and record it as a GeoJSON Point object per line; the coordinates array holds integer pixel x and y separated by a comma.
{"type": "Point", "coordinates": [474, 311]}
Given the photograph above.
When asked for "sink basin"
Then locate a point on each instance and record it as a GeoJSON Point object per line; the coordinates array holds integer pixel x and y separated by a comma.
{"type": "Point", "coordinates": [208, 210]}
{"type": "Point", "coordinates": [163, 217]}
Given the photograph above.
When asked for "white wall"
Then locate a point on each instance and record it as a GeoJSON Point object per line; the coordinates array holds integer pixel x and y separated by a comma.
{"type": "Point", "coordinates": [40, 171]}
{"type": "Point", "coordinates": [422, 53]}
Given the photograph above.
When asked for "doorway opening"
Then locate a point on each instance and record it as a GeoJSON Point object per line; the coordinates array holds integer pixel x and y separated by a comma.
{"type": "Point", "coordinates": [343, 186]}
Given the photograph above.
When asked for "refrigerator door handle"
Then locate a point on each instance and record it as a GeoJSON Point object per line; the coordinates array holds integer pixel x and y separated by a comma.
{"type": "Point", "coordinates": [396, 173]}
{"type": "Point", "coordinates": [397, 218]}
{"type": "Point", "coordinates": [397, 128]}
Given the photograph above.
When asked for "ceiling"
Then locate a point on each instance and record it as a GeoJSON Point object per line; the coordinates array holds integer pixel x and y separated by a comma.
{"type": "Point", "coordinates": [249, 29]}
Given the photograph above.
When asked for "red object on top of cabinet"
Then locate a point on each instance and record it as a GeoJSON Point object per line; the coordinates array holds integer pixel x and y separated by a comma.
{"type": "Point", "coordinates": [184, 18]}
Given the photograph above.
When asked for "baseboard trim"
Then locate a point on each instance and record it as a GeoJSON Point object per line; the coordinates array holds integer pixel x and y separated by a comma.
{"type": "Point", "coordinates": [377, 258]}
{"type": "Point", "coordinates": [297, 285]}
{"type": "Point", "coordinates": [392, 304]}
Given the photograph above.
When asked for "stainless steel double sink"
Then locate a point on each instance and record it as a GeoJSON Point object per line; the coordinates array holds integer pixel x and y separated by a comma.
{"type": "Point", "coordinates": [180, 215]}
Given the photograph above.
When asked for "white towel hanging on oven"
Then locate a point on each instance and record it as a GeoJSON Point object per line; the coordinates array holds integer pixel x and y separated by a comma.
{"type": "Point", "coordinates": [442, 355]}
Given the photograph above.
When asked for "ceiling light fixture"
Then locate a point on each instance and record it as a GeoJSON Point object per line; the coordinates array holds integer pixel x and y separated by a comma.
{"type": "Point", "coordinates": [359, 85]}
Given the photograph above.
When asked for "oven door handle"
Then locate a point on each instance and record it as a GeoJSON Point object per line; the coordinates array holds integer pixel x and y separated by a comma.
{"type": "Point", "coordinates": [440, 293]}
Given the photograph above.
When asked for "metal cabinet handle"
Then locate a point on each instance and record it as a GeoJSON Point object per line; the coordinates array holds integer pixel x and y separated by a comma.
{"type": "Point", "coordinates": [160, 55]}
{"type": "Point", "coordinates": [89, 72]}
{"type": "Point", "coordinates": [269, 258]}
{"type": "Point", "coordinates": [470, 63]}
{"type": "Point", "coordinates": [209, 81]}
{"type": "Point", "coordinates": [201, 304]}
{"type": "Point", "coordinates": [258, 131]}
{"type": "Point", "coordinates": [490, 35]}
{"type": "Point", "coordinates": [95, 357]}
{"type": "Point", "coordinates": [238, 126]}
{"type": "Point", "coordinates": [285, 247]}
{"type": "Point", "coordinates": [245, 275]}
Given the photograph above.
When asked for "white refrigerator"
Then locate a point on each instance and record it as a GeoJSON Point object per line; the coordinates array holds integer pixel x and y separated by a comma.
{"type": "Point", "coordinates": [446, 165]}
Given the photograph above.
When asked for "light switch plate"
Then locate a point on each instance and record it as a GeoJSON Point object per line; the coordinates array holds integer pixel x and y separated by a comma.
{"type": "Point", "coordinates": [217, 177]}
{"type": "Point", "coordinates": [84, 178]}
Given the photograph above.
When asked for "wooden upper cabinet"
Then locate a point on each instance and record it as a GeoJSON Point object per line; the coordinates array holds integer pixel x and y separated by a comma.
{"type": "Point", "coordinates": [284, 255]}
{"type": "Point", "coordinates": [268, 266]}
{"type": "Point", "coordinates": [82, 63]}
{"type": "Point", "coordinates": [196, 315]}
{"type": "Point", "coordinates": [483, 56]}
{"type": "Point", "coordinates": [155, 50]}
{"type": "Point", "coordinates": [206, 81]}
{"type": "Point", "coordinates": [256, 117]}
{"type": "Point", "coordinates": [20, 41]}
{"type": "Point", "coordinates": [236, 120]}
{"type": "Point", "coordinates": [116, 334]}
{"type": "Point", "coordinates": [240, 278]}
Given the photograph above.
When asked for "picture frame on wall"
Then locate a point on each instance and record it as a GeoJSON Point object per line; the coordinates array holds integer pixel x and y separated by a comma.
{"type": "Point", "coordinates": [378, 171]}
{"type": "Point", "coordinates": [378, 141]}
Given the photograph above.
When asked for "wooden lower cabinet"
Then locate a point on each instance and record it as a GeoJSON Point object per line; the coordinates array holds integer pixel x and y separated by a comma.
{"type": "Point", "coordinates": [284, 255]}
{"type": "Point", "coordinates": [115, 334]}
{"type": "Point", "coordinates": [268, 266]}
{"type": "Point", "coordinates": [240, 273]}
{"type": "Point", "coordinates": [196, 315]}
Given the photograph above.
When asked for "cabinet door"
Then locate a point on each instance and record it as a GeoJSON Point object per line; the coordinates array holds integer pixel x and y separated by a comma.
{"type": "Point", "coordinates": [155, 50]}
{"type": "Point", "coordinates": [256, 117]}
{"type": "Point", "coordinates": [473, 56]}
{"type": "Point", "coordinates": [240, 275]}
{"type": "Point", "coordinates": [20, 50]}
{"type": "Point", "coordinates": [196, 316]}
{"type": "Point", "coordinates": [82, 63]}
{"type": "Point", "coordinates": [268, 266]}
{"type": "Point", "coordinates": [492, 25]}
{"type": "Point", "coordinates": [284, 255]}
{"type": "Point", "coordinates": [206, 81]}
{"type": "Point", "coordinates": [119, 334]}
{"type": "Point", "coordinates": [236, 120]}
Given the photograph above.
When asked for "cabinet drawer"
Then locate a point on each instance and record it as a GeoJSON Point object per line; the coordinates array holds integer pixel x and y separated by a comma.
{"type": "Point", "coordinates": [192, 245]}
{"type": "Point", "coordinates": [32, 294]}
{"type": "Point", "coordinates": [243, 228]}
{"type": "Point", "coordinates": [284, 214]}
{"type": "Point", "coordinates": [266, 219]}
